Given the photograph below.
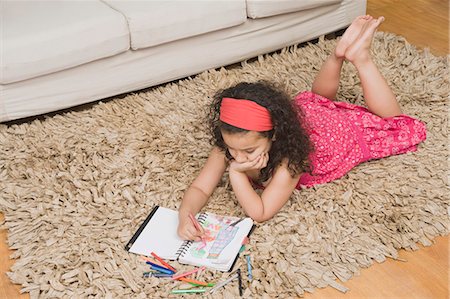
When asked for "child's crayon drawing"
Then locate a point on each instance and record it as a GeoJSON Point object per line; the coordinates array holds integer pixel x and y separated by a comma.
{"type": "Point", "coordinates": [218, 234]}
{"type": "Point", "coordinates": [224, 237]}
{"type": "Point", "coordinates": [195, 252]}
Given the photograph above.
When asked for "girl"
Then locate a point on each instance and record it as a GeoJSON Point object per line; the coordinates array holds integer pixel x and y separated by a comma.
{"type": "Point", "coordinates": [267, 141]}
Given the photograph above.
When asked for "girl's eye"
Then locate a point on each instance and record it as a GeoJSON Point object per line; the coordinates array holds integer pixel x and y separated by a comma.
{"type": "Point", "coordinates": [249, 151]}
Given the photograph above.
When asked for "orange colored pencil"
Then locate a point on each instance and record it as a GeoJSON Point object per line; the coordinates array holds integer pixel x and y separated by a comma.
{"type": "Point", "coordinates": [149, 260]}
{"type": "Point", "coordinates": [193, 281]}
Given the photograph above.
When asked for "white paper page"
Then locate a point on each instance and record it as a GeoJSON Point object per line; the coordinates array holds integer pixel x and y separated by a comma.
{"type": "Point", "coordinates": [159, 235]}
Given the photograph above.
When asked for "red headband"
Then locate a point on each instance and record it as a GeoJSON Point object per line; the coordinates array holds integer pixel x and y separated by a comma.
{"type": "Point", "coordinates": [245, 114]}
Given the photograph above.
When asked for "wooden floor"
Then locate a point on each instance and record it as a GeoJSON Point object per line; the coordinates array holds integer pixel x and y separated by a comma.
{"type": "Point", "coordinates": [424, 23]}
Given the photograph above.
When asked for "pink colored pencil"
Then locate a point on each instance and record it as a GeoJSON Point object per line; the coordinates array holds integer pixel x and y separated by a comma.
{"type": "Point", "coordinates": [197, 227]}
{"type": "Point", "coordinates": [187, 273]}
{"type": "Point", "coordinates": [195, 222]}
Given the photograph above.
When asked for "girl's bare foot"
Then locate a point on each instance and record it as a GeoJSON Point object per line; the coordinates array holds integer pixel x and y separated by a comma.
{"type": "Point", "coordinates": [359, 50]}
{"type": "Point", "coordinates": [351, 34]}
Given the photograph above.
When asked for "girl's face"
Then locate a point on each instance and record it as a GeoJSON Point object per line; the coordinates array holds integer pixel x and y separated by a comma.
{"type": "Point", "coordinates": [246, 146]}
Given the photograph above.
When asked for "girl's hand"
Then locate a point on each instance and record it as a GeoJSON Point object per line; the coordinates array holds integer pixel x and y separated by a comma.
{"type": "Point", "coordinates": [258, 163]}
{"type": "Point", "coordinates": [187, 231]}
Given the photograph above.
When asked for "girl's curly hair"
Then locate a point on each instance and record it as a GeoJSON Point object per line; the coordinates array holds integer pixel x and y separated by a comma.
{"type": "Point", "coordinates": [291, 140]}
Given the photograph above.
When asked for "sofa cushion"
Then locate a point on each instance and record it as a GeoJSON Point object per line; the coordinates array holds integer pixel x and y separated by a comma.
{"type": "Point", "coordinates": [41, 37]}
{"type": "Point", "coordinates": [266, 8]}
{"type": "Point", "coordinates": [156, 22]}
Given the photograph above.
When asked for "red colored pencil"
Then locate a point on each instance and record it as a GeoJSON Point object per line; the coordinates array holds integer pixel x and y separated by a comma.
{"type": "Point", "coordinates": [163, 262]}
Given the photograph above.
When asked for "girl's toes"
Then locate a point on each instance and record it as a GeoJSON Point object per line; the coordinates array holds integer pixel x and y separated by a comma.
{"type": "Point", "coordinates": [380, 20]}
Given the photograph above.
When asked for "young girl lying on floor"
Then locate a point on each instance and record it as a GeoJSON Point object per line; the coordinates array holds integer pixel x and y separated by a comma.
{"type": "Point", "coordinates": [265, 140]}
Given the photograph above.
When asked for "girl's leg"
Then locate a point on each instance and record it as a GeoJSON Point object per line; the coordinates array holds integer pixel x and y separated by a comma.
{"type": "Point", "coordinates": [327, 80]}
{"type": "Point", "coordinates": [378, 96]}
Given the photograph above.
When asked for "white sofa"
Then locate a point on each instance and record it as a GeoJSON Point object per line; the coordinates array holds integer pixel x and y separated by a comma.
{"type": "Point", "coordinates": [62, 53]}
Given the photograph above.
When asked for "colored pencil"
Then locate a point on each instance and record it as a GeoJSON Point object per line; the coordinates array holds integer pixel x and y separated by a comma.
{"type": "Point", "coordinates": [161, 275]}
{"type": "Point", "coordinates": [148, 260]}
{"type": "Point", "coordinates": [189, 291]}
{"type": "Point", "coordinates": [163, 262]}
{"type": "Point", "coordinates": [198, 228]}
{"type": "Point", "coordinates": [202, 285]}
{"type": "Point", "coordinates": [160, 268]}
{"type": "Point", "coordinates": [239, 281]}
{"type": "Point", "coordinates": [236, 222]}
{"type": "Point", "coordinates": [189, 280]}
{"type": "Point", "coordinates": [188, 273]}
{"type": "Point", "coordinates": [195, 222]}
{"type": "Point", "coordinates": [249, 268]}
{"type": "Point", "coordinates": [223, 283]}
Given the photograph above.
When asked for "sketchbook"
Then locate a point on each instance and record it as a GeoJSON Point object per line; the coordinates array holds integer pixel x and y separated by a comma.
{"type": "Point", "coordinates": [224, 238]}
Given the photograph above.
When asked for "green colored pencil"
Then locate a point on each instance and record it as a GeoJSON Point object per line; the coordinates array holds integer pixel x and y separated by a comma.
{"type": "Point", "coordinates": [201, 285]}
{"type": "Point", "coordinates": [188, 291]}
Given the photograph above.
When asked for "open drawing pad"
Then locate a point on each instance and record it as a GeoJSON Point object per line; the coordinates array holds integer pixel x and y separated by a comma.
{"type": "Point", "coordinates": [224, 237]}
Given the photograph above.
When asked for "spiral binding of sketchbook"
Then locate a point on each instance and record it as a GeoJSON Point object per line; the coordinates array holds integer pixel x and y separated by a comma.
{"type": "Point", "coordinates": [187, 244]}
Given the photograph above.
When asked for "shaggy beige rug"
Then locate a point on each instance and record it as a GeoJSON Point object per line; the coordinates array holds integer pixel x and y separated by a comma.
{"type": "Point", "coordinates": [74, 187]}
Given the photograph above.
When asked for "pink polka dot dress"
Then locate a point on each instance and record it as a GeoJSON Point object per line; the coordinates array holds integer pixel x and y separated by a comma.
{"type": "Point", "coordinates": [345, 135]}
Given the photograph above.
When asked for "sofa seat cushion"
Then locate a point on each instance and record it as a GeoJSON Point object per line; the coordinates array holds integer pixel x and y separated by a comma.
{"type": "Point", "coordinates": [266, 8]}
{"type": "Point", "coordinates": [157, 22]}
{"type": "Point", "coordinates": [43, 37]}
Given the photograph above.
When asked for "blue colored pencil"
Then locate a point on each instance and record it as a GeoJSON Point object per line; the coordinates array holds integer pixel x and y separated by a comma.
{"type": "Point", "coordinates": [249, 268]}
{"type": "Point", "coordinates": [159, 268]}
{"type": "Point", "coordinates": [162, 275]}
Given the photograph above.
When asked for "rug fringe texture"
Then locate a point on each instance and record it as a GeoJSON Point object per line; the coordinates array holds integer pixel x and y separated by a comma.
{"type": "Point", "coordinates": [74, 187]}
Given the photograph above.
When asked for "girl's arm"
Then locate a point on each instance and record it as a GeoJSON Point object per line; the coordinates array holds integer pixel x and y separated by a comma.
{"type": "Point", "coordinates": [198, 193]}
{"type": "Point", "coordinates": [273, 198]}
